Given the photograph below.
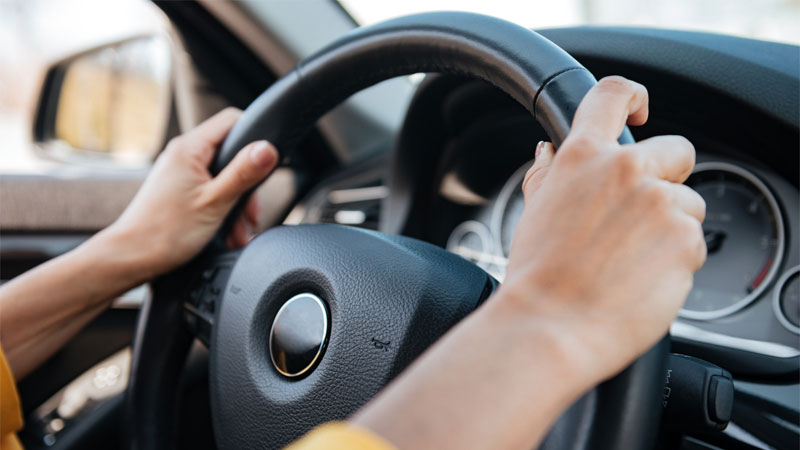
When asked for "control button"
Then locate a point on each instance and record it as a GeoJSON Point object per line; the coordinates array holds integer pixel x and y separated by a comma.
{"type": "Point", "coordinates": [298, 335]}
{"type": "Point", "coordinates": [208, 274]}
{"type": "Point", "coordinates": [720, 399]}
{"type": "Point", "coordinates": [698, 396]}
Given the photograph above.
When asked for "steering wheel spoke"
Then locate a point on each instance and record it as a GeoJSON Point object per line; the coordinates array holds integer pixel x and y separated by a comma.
{"type": "Point", "coordinates": [205, 292]}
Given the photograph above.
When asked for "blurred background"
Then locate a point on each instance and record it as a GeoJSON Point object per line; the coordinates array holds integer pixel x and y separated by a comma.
{"type": "Point", "coordinates": [114, 102]}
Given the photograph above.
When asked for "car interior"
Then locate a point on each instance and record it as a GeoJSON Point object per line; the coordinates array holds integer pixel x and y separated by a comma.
{"type": "Point", "coordinates": [408, 141]}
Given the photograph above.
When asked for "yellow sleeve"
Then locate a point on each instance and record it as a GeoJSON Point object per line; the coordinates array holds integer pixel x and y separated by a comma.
{"type": "Point", "coordinates": [10, 411]}
{"type": "Point", "coordinates": [340, 436]}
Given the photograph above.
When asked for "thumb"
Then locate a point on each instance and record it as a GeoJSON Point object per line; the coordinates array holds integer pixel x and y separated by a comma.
{"type": "Point", "coordinates": [537, 172]}
{"type": "Point", "coordinates": [248, 168]}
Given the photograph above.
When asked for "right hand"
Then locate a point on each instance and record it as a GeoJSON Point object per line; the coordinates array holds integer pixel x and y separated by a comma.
{"type": "Point", "coordinates": [609, 238]}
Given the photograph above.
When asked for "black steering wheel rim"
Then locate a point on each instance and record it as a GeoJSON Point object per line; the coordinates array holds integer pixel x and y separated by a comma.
{"type": "Point", "coordinates": [535, 72]}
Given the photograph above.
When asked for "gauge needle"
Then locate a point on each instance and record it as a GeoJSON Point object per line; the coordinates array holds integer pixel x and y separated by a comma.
{"type": "Point", "coordinates": [760, 277]}
{"type": "Point", "coordinates": [714, 239]}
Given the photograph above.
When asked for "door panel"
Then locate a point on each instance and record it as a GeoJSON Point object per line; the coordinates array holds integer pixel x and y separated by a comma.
{"type": "Point", "coordinates": [67, 202]}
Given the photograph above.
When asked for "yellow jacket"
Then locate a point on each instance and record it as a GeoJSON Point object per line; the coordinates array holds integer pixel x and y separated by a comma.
{"type": "Point", "coordinates": [10, 412]}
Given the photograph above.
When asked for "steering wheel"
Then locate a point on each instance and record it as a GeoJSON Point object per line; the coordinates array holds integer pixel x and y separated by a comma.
{"type": "Point", "coordinates": [307, 323]}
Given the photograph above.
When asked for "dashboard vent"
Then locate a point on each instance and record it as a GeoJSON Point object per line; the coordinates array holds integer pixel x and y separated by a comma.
{"type": "Point", "coordinates": [360, 206]}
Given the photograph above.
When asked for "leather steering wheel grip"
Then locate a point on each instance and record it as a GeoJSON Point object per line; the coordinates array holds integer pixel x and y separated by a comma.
{"type": "Point", "coordinates": [539, 75]}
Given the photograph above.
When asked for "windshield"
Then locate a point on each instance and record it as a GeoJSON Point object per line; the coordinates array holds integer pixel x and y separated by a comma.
{"type": "Point", "coordinates": [773, 20]}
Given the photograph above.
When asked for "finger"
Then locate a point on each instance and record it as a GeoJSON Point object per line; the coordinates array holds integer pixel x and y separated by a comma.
{"type": "Point", "coordinates": [240, 234]}
{"type": "Point", "coordinates": [682, 197]}
{"type": "Point", "coordinates": [207, 137]}
{"type": "Point", "coordinates": [536, 174]}
{"type": "Point", "coordinates": [688, 201]}
{"type": "Point", "coordinates": [667, 157]}
{"type": "Point", "coordinates": [607, 107]}
{"type": "Point", "coordinates": [696, 248]}
{"type": "Point", "coordinates": [252, 211]}
{"type": "Point", "coordinates": [249, 167]}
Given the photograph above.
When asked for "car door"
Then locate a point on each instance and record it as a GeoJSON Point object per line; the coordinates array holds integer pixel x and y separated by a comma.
{"type": "Point", "coordinates": [88, 100]}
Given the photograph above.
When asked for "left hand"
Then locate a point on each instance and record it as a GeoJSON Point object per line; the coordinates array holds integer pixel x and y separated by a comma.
{"type": "Point", "coordinates": [180, 205]}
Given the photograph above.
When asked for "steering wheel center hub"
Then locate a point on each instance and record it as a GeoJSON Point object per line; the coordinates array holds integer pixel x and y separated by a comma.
{"type": "Point", "coordinates": [362, 305]}
{"type": "Point", "coordinates": [298, 335]}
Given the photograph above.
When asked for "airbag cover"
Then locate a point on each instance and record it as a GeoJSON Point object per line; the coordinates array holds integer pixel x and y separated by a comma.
{"type": "Point", "coordinates": [388, 297]}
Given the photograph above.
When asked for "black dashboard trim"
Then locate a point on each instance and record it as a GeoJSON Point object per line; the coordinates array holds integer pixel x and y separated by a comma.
{"type": "Point", "coordinates": [726, 64]}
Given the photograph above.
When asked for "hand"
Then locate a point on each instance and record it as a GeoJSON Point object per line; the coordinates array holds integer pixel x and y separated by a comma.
{"type": "Point", "coordinates": [180, 206]}
{"type": "Point", "coordinates": [601, 261]}
{"type": "Point", "coordinates": [609, 239]}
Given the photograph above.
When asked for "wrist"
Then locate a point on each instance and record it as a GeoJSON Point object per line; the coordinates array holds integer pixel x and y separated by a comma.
{"type": "Point", "coordinates": [119, 253]}
{"type": "Point", "coordinates": [565, 342]}
{"type": "Point", "coordinates": [535, 359]}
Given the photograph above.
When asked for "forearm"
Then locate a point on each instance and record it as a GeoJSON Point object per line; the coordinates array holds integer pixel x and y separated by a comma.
{"type": "Point", "coordinates": [498, 380]}
{"type": "Point", "coordinates": [45, 307]}
{"type": "Point", "coordinates": [31, 353]}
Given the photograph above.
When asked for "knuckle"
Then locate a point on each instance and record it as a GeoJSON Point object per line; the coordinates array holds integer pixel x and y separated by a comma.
{"type": "Point", "coordinates": [576, 148]}
{"type": "Point", "coordinates": [580, 142]}
{"type": "Point", "coordinates": [628, 166]}
{"type": "Point", "coordinates": [622, 86]}
{"type": "Point", "coordinates": [615, 83]}
{"type": "Point", "coordinates": [657, 196]}
{"type": "Point", "coordinates": [628, 161]}
{"type": "Point", "coordinates": [680, 143]}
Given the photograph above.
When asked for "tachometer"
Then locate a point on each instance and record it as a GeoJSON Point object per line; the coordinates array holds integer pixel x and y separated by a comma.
{"type": "Point", "coordinates": [744, 235]}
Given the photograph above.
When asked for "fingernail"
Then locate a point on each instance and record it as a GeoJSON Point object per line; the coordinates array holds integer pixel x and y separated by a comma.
{"type": "Point", "coordinates": [262, 153]}
{"type": "Point", "coordinates": [539, 148]}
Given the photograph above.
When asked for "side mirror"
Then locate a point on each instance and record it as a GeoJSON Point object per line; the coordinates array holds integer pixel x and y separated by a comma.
{"type": "Point", "coordinates": [109, 106]}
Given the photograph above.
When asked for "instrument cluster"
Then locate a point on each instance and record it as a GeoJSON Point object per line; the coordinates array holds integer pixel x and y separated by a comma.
{"type": "Point", "coordinates": [752, 264]}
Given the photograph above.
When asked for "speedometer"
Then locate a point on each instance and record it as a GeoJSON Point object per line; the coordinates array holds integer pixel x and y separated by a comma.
{"type": "Point", "coordinates": [743, 231]}
{"type": "Point", "coordinates": [744, 236]}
